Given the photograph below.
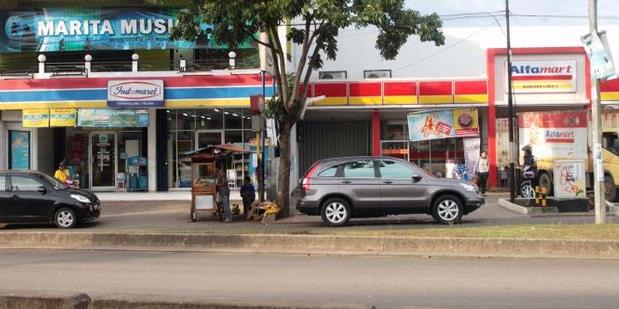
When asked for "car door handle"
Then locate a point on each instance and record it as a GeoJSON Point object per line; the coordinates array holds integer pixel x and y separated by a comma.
{"type": "Point", "coordinates": [388, 182]}
{"type": "Point", "coordinates": [346, 182]}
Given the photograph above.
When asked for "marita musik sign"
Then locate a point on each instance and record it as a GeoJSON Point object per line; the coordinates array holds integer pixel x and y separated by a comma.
{"type": "Point", "coordinates": [135, 93]}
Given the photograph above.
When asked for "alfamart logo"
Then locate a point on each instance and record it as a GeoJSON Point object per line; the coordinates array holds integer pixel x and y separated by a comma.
{"type": "Point", "coordinates": [544, 76]}
{"type": "Point", "coordinates": [135, 93]}
{"type": "Point", "coordinates": [542, 69]}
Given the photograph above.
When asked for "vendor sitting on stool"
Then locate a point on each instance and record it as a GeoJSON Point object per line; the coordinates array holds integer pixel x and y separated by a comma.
{"type": "Point", "coordinates": [248, 193]}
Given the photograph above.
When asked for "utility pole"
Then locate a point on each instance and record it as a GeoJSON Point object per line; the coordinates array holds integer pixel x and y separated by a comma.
{"type": "Point", "coordinates": [510, 110]}
{"type": "Point", "coordinates": [598, 168]}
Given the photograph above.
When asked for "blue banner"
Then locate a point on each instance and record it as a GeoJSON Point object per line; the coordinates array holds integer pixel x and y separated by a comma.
{"type": "Point", "coordinates": [20, 150]}
{"type": "Point", "coordinates": [64, 29]}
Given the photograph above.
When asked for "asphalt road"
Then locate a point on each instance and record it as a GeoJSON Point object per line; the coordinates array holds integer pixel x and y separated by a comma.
{"type": "Point", "coordinates": [386, 282]}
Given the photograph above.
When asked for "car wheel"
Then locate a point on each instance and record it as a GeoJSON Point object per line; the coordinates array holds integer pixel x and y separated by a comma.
{"type": "Point", "coordinates": [610, 191]}
{"type": "Point", "coordinates": [336, 212]}
{"type": "Point", "coordinates": [526, 190]}
{"type": "Point", "coordinates": [65, 218]}
{"type": "Point", "coordinates": [447, 209]}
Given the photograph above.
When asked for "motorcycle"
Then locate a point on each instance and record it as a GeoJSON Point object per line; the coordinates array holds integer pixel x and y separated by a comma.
{"type": "Point", "coordinates": [526, 187]}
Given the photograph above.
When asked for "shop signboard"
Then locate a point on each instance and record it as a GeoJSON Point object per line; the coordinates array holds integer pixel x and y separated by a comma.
{"type": "Point", "coordinates": [543, 76]}
{"type": "Point", "coordinates": [554, 135]}
{"type": "Point", "coordinates": [35, 118]}
{"type": "Point", "coordinates": [570, 179]}
{"type": "Point", "coordinates": [62, 117]}
{"type": "Point", "coordinates": [105, 118]}
{"type": "Point", "coordinates": [77, 29]}
{"type": "Point", "coordinates": [135, 93]}
{"type": "Point", "coordinates": [445, 123]}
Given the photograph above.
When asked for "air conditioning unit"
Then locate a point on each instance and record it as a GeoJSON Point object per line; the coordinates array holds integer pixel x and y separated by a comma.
{"type": "Point", "coordinates": [376, 74]}
{"type": "Point", "coordinates": [332, 75]}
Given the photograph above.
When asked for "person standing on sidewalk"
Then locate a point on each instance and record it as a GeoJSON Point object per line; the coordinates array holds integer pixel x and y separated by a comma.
{"type": "Point", "coordinates": [248, 193]}
{"type": "Point", "coordinates": [482, 170]}
{"type": "Point", "coordinates": [224, 192]}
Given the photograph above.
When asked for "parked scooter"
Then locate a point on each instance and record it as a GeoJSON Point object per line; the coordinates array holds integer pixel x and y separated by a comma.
{"type": "Point", "coordinates": [526, 186]}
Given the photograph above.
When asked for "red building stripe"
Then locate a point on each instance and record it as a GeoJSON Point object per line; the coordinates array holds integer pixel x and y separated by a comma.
{"type": "Point", "coordinates": [471, 87]}
{"type": "Point", "coordinates": [609, 85]}
{"type": "Point", "coordinates": [330, 90]}
{"type": "Point", "coordinates": [365, 89]}
{"type": "Point", "coordinates": [543, 77]}
{"type": "Point", "coordinates": [400, 88]}
{"type": "Point", "coordinates": [181, 81]}
{"type": "Point", "coordinates": [435, 88]}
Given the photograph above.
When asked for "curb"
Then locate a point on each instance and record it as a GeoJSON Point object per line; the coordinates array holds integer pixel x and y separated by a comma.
{"type": "Point", "coordinates": [315, 244]}
{"type": "Point", "coordinates": [30, 299]}
{"type": "Point", "coordinates": [529, 211]}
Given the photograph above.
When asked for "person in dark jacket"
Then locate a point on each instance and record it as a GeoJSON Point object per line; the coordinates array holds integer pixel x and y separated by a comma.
{"type": "Point", "coordinates": [248, 194]}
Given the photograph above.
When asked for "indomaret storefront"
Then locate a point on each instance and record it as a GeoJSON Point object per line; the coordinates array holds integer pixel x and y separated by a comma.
{"type": "Point", "coordinates": [127, 131]}
{"type": "Point", "coordinates": [437, 123]}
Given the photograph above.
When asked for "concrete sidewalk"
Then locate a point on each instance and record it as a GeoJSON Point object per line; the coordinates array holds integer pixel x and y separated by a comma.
{"type": "Point", "coordinates": [179, 195]}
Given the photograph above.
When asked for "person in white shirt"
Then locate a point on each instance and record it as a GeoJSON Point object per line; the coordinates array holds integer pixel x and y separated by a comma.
{"type": "Point", "coordinates": [481, 170]}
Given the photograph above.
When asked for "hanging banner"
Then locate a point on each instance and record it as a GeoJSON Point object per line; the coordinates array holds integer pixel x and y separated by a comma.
{"type": "Point", "coordinates": [443, 124]}
{"type": "Point", "coordinates": [570, 179]}
{"type": "Point", "coordinates": [543, 76]}
{"type": "Point", "coordinates": [62, 117]}
{"type": "Point", "coordinates": [472, 147]}
{"type": "Point", "coordinates": [600, 57]}
{"type": "Point", "coordinates": [105, 118]}
{"type": "Point", "coordinates": [77, 29]}
{"type": "Point", "coordinates": [35, 118]}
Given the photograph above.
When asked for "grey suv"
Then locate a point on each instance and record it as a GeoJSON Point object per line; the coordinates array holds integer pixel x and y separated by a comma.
{"type": "Point", "coordinates": [342, 188]}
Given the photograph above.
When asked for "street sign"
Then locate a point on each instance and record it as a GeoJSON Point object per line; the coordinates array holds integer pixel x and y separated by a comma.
{"type": "Point", "coordinates": [596, 46]}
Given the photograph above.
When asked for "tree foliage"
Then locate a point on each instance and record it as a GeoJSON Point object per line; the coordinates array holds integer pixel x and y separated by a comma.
{"type": "Point", "coordinates": [316, 25]}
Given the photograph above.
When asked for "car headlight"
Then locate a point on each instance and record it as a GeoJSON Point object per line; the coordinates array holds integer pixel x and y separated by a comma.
{"type": "Point", "coordinates": [80, 198]}
{"type": "Point", "coordinates": [468, 187]}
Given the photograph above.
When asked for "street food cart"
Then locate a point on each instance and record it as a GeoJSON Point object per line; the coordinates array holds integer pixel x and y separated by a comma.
{"type": "Point", "coordinates": [204, 164]}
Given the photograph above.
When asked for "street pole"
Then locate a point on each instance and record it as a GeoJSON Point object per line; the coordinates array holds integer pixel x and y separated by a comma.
{"type": "Point", "coordinates": [510, 110]}
{"type": "Point", "coordinates": [264, 137]}
{"type": "Point", "coordinates": [598, 169]}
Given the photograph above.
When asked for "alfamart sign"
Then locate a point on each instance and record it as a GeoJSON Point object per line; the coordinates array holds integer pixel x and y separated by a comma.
{"type": "Point", "coordinates": [135, 93]}
{"type": "Point", "coordinates": [543, 76]}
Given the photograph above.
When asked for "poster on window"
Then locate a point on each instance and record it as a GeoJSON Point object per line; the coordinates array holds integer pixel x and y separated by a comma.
{"type": "Point", "coordinates": [570, 179]}
{"type": "Point", "coordinates": [65, 117]}
{"type": "Point", "coordinates": [35, 118]}
{"type": "Point", "coordinates": [20, 150]}
{"type": "Point", "coordinates": [446, 123]}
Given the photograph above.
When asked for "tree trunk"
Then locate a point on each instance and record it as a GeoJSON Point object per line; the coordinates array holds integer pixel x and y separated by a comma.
{"type": "Point", "coordinates": [283, 179]}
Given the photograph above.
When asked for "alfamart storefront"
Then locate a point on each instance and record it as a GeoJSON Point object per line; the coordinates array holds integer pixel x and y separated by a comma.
{"type": "Point", "coordinates": [128, 134]}
{"type": "Point", "coordinates": [439, 123]}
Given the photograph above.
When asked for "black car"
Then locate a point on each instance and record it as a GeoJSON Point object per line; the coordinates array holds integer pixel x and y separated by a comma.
{"type": "Point", "coordinates": [33, 197]}
{"type": "Point", "coordinates": [342, 188]}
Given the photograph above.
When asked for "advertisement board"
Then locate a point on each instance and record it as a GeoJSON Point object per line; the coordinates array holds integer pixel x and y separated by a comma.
{"type": "Point", "coordinates": [20, 150]}
{"type": "Point", "coordinates": [76, 29]}
{"type": "Point", "coordinates": [105, 118]}
{"type": "Point", "coordinates": [570, 179]}
{"type": "Point", "coordinates": [62, 117]}
{"type": "Point", "coordinates": [445, 123]}
{"type": "Point", "coordinates": [554, 135]}
{"type": "Point", "coordinates": [135, 93]}
{"type": "Point", "coordinates": [543, 76]}
{"type": "Point", "coordinates": [472, 148]}
{"type": "Point", "coordinates": [35, 118]}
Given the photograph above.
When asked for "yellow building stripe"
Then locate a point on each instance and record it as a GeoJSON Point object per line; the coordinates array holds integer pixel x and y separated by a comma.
{"type": "Point", "coordinates": [400, 99]}
{"type": "Point", "coordinates": [435, 99]}
{"type": "Point", "coordinates": [53, 104]}
{"type": "Point", "coordinates": [181, 103]}
{"type": "Point", "coordinates": [609, 96]}
{"type": "Point", "coordinates": [471, 98]}
{"type": "Point", "coordinates": [332, 101]}
{"type": "Point", "coordinates": [373, 100]}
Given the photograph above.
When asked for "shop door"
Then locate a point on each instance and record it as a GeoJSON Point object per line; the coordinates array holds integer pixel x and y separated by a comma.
{"type": "Point", "coordinates": [209, 138]}
{"type": "Point", "coordinates": [103, 160]}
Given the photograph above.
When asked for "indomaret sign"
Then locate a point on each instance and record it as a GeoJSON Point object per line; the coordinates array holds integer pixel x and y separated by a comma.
{"type": "Point", "coordinates": [544, 76]}
{"type": "Point", "coordinates": [135, 93]}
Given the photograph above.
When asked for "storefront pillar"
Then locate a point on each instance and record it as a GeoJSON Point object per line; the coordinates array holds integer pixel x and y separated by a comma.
{"type": "Point", "coordinates": [152, 150]}
{"type": "Point", "coordinates": [376, 133]}
{"type": "Point", "coordinates": [492, 151]}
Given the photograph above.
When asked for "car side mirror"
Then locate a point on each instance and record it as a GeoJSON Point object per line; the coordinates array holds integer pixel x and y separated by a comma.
{"type": "Point", "coordinates": [417, 178]}
{"type": "Point", "coordinates": [42, 190]}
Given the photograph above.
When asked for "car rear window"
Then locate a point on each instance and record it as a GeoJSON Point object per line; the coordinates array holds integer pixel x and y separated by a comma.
{"type": "Point", "coordinates": [359, 169]}
{"type": "Point", "coordinates": [329, 172]}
